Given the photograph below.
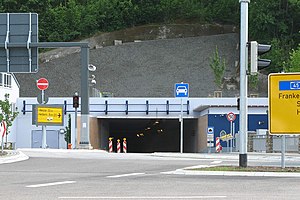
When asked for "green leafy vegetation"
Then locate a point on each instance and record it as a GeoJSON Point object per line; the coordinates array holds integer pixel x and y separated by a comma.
{"type": "Point", "coordinates": [293, 64]}
{"type": "Point", "coordinates": [6, 114]}
{"type": "Point", "coordinates": [270, 22]}
{"type": "Point", "coordinates": [218, 65]}
{"type": "Point", "coordinates": [68, 131]}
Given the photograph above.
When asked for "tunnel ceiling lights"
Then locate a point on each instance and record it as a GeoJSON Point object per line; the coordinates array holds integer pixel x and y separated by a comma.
{"type": "Point", "coordinates": [156, 122]}
{"type": "Point", "coordinates": [140, 135]}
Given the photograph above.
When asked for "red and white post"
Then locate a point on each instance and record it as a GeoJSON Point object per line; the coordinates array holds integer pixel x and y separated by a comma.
{"type": "Point", "coordinates": [118, 146]}
{"type": "Point", "coordinates": [218, 145]}
{"type": "Point", "coordinates": [124, 145]}
{"type": "Point", "coordinates": [110, 145]}
{"type": "Point", "coordinates": [3, 126]}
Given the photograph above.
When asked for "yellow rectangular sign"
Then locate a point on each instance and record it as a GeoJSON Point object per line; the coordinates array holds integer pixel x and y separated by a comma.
{"type": "Point", "coordinates": [50, 115]}
{"type": "Point", "coordinates": [284, 103]}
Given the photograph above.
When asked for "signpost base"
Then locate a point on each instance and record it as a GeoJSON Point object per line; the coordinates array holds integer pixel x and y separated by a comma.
{"type": "Point", "coordinates": [85, 146]}
{"type": "Point", "coordinates": [283, 146]}
{"type": "Point", "coordinates": [243, 160]}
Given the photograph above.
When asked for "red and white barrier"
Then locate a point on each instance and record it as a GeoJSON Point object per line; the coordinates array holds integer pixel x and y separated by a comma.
{"type": "Point", "coordinates": [3, 126]}
{"type": "Point", "coordinates": [218, 145]}
{"type": "Point", "coordinates": [118, 146]}
{"type": "Point", "coordinates": [124, 145]}
{"type": "Point", "coordinates": [110, 145]}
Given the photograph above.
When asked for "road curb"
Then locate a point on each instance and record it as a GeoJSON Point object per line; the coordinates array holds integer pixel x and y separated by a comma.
{"type": "Point", "coordinates": [12, 157]}
{"type": "Point", "coordinates": [231, 173]}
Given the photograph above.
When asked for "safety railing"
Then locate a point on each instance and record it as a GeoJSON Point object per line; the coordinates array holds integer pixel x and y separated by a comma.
{"type": "Point", "coordinates": [127, 107]}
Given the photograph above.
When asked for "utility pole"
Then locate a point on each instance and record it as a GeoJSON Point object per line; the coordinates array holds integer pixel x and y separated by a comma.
{"type": "Point", "coordinates": [243, 83]}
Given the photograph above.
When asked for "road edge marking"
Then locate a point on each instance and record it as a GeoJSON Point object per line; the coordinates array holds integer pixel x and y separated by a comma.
{"type": "Point", "coordinates": [125, 175]}
{"type": "Point", "coordinates": [50, 184]}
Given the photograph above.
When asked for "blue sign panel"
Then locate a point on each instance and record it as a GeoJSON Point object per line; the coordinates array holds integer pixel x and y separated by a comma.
{"type": "Point", "coordinates": [181, 90]}
{"type": "Point", "coordinates": [18, 28]}
{"type": "Point", "coordinates": [289, 85]}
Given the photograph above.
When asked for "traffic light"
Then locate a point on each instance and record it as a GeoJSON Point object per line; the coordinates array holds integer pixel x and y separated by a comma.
{"type": "Point", "coordinates": [238, 103]}
{"type": "Point", "coordinates": [75, 101]}
{"type": "Point", "coordinates": [257, 50]}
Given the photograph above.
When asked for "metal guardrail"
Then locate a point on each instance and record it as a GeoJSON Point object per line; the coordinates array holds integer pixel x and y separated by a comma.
{"type": "Point", "coordinates": [126, 106]}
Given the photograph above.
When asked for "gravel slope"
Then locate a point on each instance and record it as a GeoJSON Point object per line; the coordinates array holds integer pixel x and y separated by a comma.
{"type": "Point", "coordinates": [142, 69]}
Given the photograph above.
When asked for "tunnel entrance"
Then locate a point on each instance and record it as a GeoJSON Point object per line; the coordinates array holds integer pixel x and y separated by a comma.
{"type": "Point", "coordinates": [152, 135]}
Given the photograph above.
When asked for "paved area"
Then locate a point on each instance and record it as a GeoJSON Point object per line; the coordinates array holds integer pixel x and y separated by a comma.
{"type": "Point", "coordinates": [18, 155]}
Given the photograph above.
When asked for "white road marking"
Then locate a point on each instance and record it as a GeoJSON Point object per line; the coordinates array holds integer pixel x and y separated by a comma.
{"type": "Point", "coordinates": [50, 184]}
{"type": "Point", "coordinates": [216, 162]}
{"type": "Point", "coordinates": [157, 197]}
{"type": "Point", "coordinates": [124, 175]}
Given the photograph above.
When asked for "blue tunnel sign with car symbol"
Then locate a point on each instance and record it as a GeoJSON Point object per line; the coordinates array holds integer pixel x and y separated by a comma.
{"type": "Point", "coordinates": [181, 90]}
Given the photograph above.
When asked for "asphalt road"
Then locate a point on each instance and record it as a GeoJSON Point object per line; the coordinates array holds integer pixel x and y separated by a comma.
{"type": "Point", "coordinates": [65, 175]}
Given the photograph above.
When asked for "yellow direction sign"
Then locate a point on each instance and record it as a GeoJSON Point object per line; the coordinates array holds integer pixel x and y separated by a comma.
{"type": "Point", "coordinates": [49, 115]}
{"type": "Point", "coordinates": [284, 103]}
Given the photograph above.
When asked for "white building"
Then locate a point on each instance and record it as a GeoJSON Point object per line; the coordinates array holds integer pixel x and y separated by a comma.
{"type": "Point", "coordinates": [9, 85]}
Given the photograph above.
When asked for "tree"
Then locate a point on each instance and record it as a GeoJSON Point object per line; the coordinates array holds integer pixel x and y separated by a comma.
{"type": "Point", "coordinates": [6, 113]}
{"type": "Point", "coordinates": [218, 66]}
{"type": "Point", "coordinates": [293, 64]}
{"type": "Point", "coordinates": [68, 131]}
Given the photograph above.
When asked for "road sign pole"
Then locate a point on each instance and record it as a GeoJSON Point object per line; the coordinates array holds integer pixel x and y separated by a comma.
{"type": "Point", "coordinates": [2, 145]}
{"type": "Point", "coordinates": [231, 133]}
{"type": "Point", "coordinates": [75, 146]}
{"type": "Point", "coordinates": [283, 151]}
{"type": "Point", "coordinates": [181, 127]}
{"type": "Point", "coordinates": [243, 83]}
{"type": "Point", "coordinates": [44, 131]}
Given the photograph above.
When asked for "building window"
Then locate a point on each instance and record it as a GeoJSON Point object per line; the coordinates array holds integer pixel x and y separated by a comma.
{"type": "Point", "coordinates": [6, 80]}
{"type": "Point", "coordinates": [1, 79]}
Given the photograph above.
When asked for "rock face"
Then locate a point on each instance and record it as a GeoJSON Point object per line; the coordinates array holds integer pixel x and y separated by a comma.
{"type": "Point", "coordinates": [143, 68]}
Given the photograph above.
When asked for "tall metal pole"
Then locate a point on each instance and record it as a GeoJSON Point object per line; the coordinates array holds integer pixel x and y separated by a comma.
{"type": "Point", "coordinates": [84, 135]}
{"type": "Point", "coordinates": [243, 83]}
{"type": "Point", "coordinates": [181, 127]}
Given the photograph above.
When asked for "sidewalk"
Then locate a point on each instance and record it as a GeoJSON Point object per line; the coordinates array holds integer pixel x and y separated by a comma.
{"type": "Point", "coordinates": [251, 156]}
{"type": "Point", "coordinates": [233, 173]}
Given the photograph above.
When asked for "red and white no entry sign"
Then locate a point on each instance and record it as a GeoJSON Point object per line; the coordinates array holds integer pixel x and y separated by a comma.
{"type": "Point", "coordinates": [231, 116]}
{"type": "Point", "coordinates": [42, 84]}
